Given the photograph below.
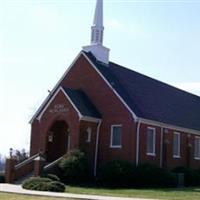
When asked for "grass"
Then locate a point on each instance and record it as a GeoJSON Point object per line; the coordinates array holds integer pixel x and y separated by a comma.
{"type": "Point", "coordinates": [6, 196]}
{"type": "Point", "coordinates": [167, 194]}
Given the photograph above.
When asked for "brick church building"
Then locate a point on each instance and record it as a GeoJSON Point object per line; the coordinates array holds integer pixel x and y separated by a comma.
{"type": "Point", "coordinates": [111, 112]}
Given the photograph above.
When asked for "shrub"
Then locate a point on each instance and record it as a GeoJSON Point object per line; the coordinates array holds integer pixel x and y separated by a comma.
{"type": "Point", "coordinates": [74, 167]}
{"type": "Point", "coordinates": [35, 182]}
{"type": "Point", "coordinates": [53, 177]}
{"type": "Point", "coordinates": [56, 186]}
{"type": "Point", "coordinates": [116, 173]}
{"type": "Point", "coordinates": [43, 184]}
{"type": "Point", "coordinates": [2, 178]}
{"type": "Point", "coordinates": [191, 177]}
{"type": "Point", "coordinates": [149, 175]}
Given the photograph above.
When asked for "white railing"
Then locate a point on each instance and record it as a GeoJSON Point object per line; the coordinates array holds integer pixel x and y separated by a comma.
{"type": "Point", "coordinates": [52, 164]}
{"type": "Point", "coordinates": [27, 161]}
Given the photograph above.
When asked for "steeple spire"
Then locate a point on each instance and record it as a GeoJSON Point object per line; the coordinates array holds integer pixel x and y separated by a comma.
{"type": "Point", "coordinates": [97, 28]}
{"type": "Point", "coordinates": [96, 45]}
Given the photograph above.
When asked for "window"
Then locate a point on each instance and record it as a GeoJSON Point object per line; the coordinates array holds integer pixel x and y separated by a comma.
{"type": "Point", "coordinates": [116, 134]}
{"type": "Point", "coordinates": [89, 133]}
{"type": "Point", "coordinates": [176, 145]}
{"type": "Point", "coordinates": [151, 141]}
{"type": "Point", "coordinates": [197, 148]}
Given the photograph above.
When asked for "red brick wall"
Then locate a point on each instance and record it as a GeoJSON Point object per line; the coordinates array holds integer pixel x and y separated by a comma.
{"type": "Point", "coordinates": [83, 76]}
{"type": "Point", "coordinates": [35, 138]}
{"type": "Point", "coordinates": [186, 156]}
{"type": "Point", "coordinates": [24, 170]}
{"type": "Point", "coordinates": [40, 129]}
{"type": "Point", "coordinates": [194, 163]}
{"type": "Point", "coordinates": [88, 147]}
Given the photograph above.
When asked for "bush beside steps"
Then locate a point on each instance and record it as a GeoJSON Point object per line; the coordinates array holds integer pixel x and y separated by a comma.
{"type": "Point", "coordinates": [2, 178]}
{"type": "Point", "coordinates": [43, 184]}
{"type": "Point", "coordinates": [74, 168]}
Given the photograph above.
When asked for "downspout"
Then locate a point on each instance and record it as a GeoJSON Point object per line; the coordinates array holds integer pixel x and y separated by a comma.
{"type": "Point", "coordinates": [161, 147]}
{"type": "Point", "coordinates": [96, 149]}
{"type": "Point", "coordinates": [138, 142]}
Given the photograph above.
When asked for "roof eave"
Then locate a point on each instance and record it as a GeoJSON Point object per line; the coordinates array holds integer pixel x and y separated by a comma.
{"type": "Point", "coordinates": [169, 126]}
{"type": "Point", "coordinates": [54, 89]}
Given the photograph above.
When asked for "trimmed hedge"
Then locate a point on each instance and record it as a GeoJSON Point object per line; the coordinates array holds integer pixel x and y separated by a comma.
{"type": "Point", "coordinates": [53, 177]}
{"type": "Point", "coordinates": [74, 167]}
{"type": "Point", "coordinates": [2, 178]}
{"type": "Point", "coordinates": [149, 175]}
{"type": "Point", "coordinates": [56, 186]}
{"type": "Point", "coordinates": [116, 173]}
{"type": "Point", "coordinates": [191, 177]}
{"type": "Point", "coordinates": [43, 184]}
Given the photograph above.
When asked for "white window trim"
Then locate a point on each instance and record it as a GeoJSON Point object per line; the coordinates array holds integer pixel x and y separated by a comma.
{"type": "Point", "coordinates": [196, 158]}
{"type": "Point", "coordinates": [111, 137]}
{"type": "Point", "coordinates": [179, 145]}
{"type": "Point", "coordinates": [154, 142]}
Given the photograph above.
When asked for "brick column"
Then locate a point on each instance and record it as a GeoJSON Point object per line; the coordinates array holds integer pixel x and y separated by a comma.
{"type": "Point", "coordinates": [10, 170]}
{"type": "Point", "coordinates": [39, 163]}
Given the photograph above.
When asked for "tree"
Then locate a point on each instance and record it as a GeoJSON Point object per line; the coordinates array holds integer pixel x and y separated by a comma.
{"type": "Point", "coordinates": [19, 155]}
{"type": "Point", "coordinates": [2, 162]}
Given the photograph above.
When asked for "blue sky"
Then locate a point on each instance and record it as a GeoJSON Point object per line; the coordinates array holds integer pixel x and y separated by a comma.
{"type": "Point", "coordinates": [40, 38]}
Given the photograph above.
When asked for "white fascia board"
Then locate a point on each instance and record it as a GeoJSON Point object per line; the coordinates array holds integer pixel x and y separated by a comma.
{"type": "Point", "coordinates": [49, 102]}
{"type": "Point", "coordinates": [90, 119]}
{"type": "Point", "coordinates": [53, 97]}
{"type": "Point", "coordinates": [115, 92]}
{"type": "Point", "coordinates": [55, 87]}
{"type": "Point", "coordinates": [169, 126]}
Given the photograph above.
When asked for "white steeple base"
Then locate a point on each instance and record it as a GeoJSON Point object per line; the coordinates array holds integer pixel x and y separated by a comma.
{"type": "Point", "coordinates": [96, 44]}
{"type": "Point", "coordinates": [99, 51]}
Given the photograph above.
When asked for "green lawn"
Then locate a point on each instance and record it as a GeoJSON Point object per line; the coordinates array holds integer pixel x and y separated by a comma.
{"type": "Point", "coordinates": [6, 196]}
{"type": "Point", "coordinates": [174, 194]}
{"type": "Point", "coordinates": [170, 194]}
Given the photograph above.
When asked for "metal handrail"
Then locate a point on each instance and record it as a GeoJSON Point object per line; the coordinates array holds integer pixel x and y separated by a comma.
{"type": "Point", "coordinates": [27, 161]}
{"type": "Point", "coordinates": [52, 164]}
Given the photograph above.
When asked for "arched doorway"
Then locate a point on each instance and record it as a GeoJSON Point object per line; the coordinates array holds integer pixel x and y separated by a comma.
{"type": "Point", "coordinates": [57, 140]}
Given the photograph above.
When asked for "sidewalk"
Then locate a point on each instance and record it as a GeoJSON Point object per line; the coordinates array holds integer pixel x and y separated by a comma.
{"type": "Point", "coordinates": [10, 188]}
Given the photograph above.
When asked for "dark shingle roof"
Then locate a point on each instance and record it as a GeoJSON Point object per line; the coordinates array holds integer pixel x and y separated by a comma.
{"type": "Point", "coordinates": [82, 103]}
{"type": "Point", "coordinates": [151, 99]}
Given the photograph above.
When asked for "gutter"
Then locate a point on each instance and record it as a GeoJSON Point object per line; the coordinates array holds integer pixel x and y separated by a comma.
{"type": "Point", "coordinates": [96, 148]}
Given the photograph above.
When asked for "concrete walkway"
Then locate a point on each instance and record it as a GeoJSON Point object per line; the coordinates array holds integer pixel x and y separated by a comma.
{"type": "Point", "coordinates": [10, 188]}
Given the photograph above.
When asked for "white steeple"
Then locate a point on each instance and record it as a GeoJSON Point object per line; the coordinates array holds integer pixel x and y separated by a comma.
{"type": "Point", "coordinates": [96, 44]}
{"type": "Point", "coordinates": [97, 28]}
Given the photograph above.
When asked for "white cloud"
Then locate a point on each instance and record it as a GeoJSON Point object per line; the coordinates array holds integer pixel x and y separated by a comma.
{"type": "Point", "coordinates": [113, 24]}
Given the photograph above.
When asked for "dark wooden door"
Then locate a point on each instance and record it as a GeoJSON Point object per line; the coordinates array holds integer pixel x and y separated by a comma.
{"type": "Point", "coordinates": [57, 143]}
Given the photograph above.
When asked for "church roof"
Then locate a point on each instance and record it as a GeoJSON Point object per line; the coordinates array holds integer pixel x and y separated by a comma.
{"type": "Point", "coordinates": [152, 99]}
{"type": "Point", "coordinates": [82, 102]}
